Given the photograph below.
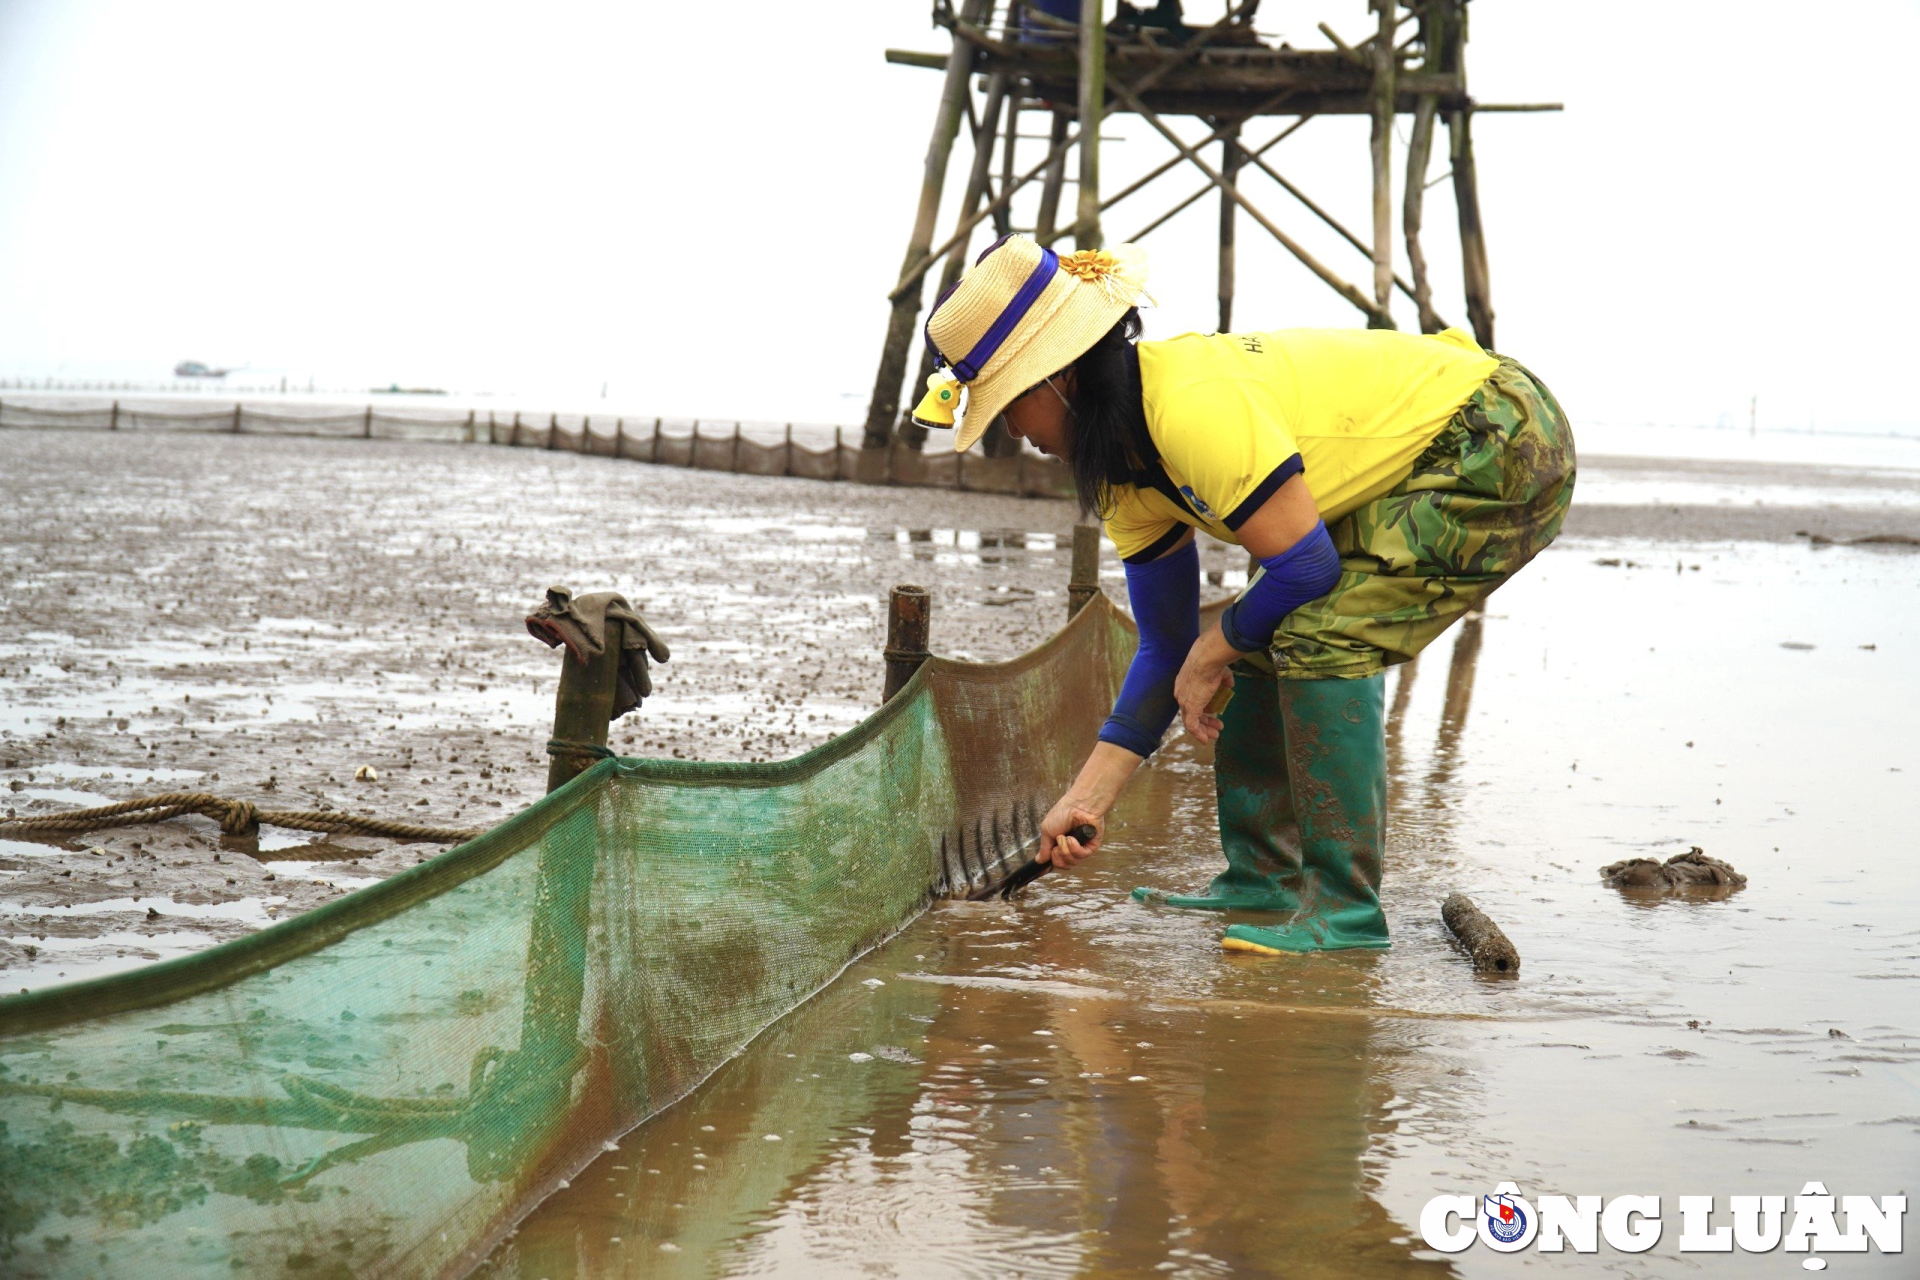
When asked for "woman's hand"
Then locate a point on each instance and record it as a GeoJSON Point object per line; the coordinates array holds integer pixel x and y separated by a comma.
{"type": "Point", "coordinates": [1203, 675]}
{"type": "Point", "coordinates": [1061, 849]}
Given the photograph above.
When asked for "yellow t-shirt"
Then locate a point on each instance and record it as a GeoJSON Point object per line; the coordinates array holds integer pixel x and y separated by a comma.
{"type": "Point", "coordinates": [1235, 414]}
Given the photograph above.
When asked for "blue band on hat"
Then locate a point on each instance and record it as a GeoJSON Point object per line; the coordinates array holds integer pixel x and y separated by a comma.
{"type": "Point", "coordinates": [968, 369]}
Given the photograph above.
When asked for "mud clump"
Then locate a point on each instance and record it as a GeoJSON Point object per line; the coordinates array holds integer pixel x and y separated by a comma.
{"type": "Point", "coordinates": [1694, 869]}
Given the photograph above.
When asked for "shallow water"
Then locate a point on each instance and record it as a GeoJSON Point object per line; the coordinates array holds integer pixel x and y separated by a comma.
{"type": "Point", "coordinates": [1622, 697]}
{"type": "Point", "coordinates": [1077, 1084]}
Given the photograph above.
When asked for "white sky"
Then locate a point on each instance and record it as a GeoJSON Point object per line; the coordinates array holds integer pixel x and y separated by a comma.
{"type": "Point", "coordinates": [704, 206]}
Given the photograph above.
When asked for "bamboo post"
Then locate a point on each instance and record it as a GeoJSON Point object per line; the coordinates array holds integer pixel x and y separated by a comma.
{"type": "Point", "coordinates": [734, 465]}
{"type": "Point", "coordinates": [586, 437]}
{"type": "Point", "coordinates": [911, 433]}
{"type": "Point", "coordinates": [1093, 99]}
{"type": "Point", "coordinates": [884, 406]}
{"type": "Point", "coordinates": [583, 708]}
{"type": "Point", "coordinates": [786, 463]}
{"type": "Point", "coordinates": [1230, 167]}
{"type": "Point", "coordinates": [1419, 156]}
{"type": "Point", "coordinates": [513, 436]}
{"type": "Point", "coordinates": [113, 417]}
{"type": "Point", "coordinates": [553, 431]}
{"type": "Point", "coordinates": [909, 618]}
{"type": "Point", "coordinates": [1381, 101]}
{"type": "Point", "coordinates": [837, 447]}
{"type": "Point", "coordinates": [473, 426]}
{"type": "Point", "coordinates": [693, 446]}
{"type": "Point", "coordinates": [366, 425]}
{"type": "Point", "coordinates": [1055, 179]}
{"type": "Point", "coordinates": [1083, 578]}
{"type": "Point", "coordinates": [653, 452]}
{"type": "Point", "coordinates": [236, 417]}
{"type": "Point", "coordinates": [493, 429]}
{"type": "Point", "coordinates": [619, 437]}
{"type": "Point", "coordinates": [1003, 218]}
{"type": "Point", "coordinates": [1451, 17]}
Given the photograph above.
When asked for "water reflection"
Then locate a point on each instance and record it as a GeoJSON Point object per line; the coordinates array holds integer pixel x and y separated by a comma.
{"type": "Point", "coordinates": [1071, 1086]}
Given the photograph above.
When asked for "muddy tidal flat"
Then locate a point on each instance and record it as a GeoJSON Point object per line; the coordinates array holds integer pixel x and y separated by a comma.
{"type": "Point", "coordinates": [1077, 1084]}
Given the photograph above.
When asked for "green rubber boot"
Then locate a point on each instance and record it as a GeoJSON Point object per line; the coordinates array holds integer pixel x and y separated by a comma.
{"type": "Point", "coordinates": [1337, 765]}
{"type": "Point", "coordinates": [1257, 830]}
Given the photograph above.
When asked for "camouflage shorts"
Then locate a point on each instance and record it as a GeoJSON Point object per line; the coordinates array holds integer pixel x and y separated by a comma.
{"type": "Point", "coordinates": [1488, 494]}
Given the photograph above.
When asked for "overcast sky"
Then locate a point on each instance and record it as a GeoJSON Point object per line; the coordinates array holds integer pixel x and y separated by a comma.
{"type": "Point", "coordinates": [703, 206]}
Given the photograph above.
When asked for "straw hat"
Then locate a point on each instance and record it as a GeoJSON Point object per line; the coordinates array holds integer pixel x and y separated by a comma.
{"type": "Point", "coordinates": [1022, 314]}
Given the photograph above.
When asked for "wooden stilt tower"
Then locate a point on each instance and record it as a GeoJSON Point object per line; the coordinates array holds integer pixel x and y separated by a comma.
{"type": "Point", "coordinates": [1072, 63]}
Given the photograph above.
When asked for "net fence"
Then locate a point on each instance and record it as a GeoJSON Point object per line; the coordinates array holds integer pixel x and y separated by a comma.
{"type": "Point", "coordinates": [385, 1085]}
{"type": "Point", "coordinates": [765, 449]}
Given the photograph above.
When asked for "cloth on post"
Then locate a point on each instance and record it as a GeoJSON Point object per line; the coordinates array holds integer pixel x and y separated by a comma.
{"type": "Point", "coordinates": [580, 623]}
{"type": "Point", "coordinates": [1487, 495]}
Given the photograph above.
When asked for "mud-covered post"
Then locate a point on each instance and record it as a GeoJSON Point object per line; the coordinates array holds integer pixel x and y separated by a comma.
{"type": "Point", "coordinates": [1481, 938]}
{"type": "Point", "coordinates": [909, 619]}
{"type": "Point", "coordinates": [1083, 579]}
{"type": "Point", "coordinates": [113, 417]}
{"type": "Point", "coordinates": [583, 708]}
{"type": "Point", "coordinates": [236, 417]}
{"type": "Point", "coordinates": [1093, 103]}
{"type": "Point", "coordinates": [366, 424]}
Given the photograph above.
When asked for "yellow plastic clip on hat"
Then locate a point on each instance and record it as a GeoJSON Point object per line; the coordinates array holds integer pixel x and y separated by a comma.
{"type": "Point", "coordinates": [936, 407]}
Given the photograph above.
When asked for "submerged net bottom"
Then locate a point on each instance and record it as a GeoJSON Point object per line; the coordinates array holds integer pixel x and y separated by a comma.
{"type": "Point", "coordinates": [384, 1085]}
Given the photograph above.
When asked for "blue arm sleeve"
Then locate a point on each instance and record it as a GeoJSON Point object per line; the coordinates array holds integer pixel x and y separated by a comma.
{"type": "Point", "coordinates": [1166, 604]}
{"type": "Point", "coordinates": [1305, 571]}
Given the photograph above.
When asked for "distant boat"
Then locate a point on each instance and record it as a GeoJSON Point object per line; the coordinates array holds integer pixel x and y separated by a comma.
{"type": "Point", "coordinates": [194, 369]}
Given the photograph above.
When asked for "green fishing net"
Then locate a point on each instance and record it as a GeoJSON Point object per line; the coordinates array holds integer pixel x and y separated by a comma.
{"type": "Point", "coordinates": [386, 1084]}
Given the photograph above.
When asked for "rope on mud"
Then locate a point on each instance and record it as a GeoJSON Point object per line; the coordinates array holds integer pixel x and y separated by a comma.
{"type": "Point", "coordinates": [236, 818]}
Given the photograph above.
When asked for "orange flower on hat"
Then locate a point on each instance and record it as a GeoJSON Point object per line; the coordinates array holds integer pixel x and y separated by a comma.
{"type": "Point", "coordinates": [1090, 265]}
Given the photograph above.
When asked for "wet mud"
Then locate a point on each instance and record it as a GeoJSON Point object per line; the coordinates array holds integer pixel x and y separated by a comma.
{"type": "Point", "coordinates": [266, 618]}
{"type": "Point", "coordinates": [1071, 1083]}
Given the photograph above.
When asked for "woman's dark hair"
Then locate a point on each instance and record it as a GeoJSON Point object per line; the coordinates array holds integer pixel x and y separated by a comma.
{"type": "Point", "coordinates": [1110, 441]}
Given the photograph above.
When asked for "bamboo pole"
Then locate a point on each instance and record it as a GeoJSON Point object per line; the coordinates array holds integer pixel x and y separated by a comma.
{"type": "Point", "coordinates": [1229, 166]}
{"type": "Point", "coordinates": [1412, 209]}
{"type": "Point", "coordinates": [734, 464]}
{"type": "Point", "coordinates": [113, 417]}
{"type": "Point", "coordinates": [1003, 220]}
{"type": "Point", "coordinates": [619, 437]}
{"type": "Point", "coordinates": [366, 429]}
{"type": "Point", "coordinates": [786, 462]}
{"type": "Point", "coordinates": [1056, 170]}
{"type": "Point", "coordinates": [1093, 100]}
{"type": "Point", "coordinates": [1313, 264]}
{"type": "Point", "coordinates": [653, 452]}
{"type": "Point", "coordinates": [884, 405]}
{"type": "Point", "coordinates": [1451, 16]}
{"type": "Point", "coordinates": [911, 433]}
{"type": "Point", "coordinates": [1083, 575]}
{"type": "Point", "coordinates": [909, 623]}
{"type": "Point", "coordinates": [1381, 100]}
